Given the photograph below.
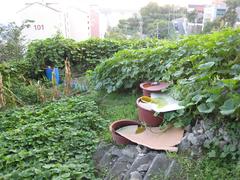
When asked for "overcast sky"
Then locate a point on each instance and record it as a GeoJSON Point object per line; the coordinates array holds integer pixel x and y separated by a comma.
{"type": "Point", "coordinates": [8, 8]}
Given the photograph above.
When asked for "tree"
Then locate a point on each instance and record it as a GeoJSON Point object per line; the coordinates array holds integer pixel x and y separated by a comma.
{"type": "Point", "coordinates": [230, 17]}
{"type": "Point", "coordinates": [152, 13]}
{"type": "Point", "coordinates": [11, 41]}
{"type": "Point", "coordinates": [217, 24]}
{"type": "Point", "coordinates": [228, 20]}
{"type": "Point", "coordinates": [114, 33]}
{"type": "Point", "coordinates": [192, 16]}
{"type": "Point", "coordinates": [150, 20]}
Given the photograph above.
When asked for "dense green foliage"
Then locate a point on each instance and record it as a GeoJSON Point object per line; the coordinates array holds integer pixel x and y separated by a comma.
{"type": "Point", "coordinates": [17, 83]}
{"type": "Point", "coordinates": [130, 67]}
{"type": "Point", "coordinates": [54, 140]}
{"type": "Point", "coordinates": [11, 42]}
{"type": "Point", "coordinates": [204, 70]}
{"type": "Point", "coordinates": [14, 69]}
{"type": "Point", "coordinates": [84, 55]}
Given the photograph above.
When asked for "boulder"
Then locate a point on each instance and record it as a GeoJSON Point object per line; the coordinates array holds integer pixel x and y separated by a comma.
{"type": "Point", "coordinates": [135, 175]}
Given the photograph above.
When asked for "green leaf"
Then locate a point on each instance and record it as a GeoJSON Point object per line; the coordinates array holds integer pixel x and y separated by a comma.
{"type": "Point", "coordinates": [212, 154]}
{"type": "Point", "coordinates": [207, 65]}
{"type": "Point", "coordinates": [206, 107]}
{"type": "Point", "coordinates": [228, 107]}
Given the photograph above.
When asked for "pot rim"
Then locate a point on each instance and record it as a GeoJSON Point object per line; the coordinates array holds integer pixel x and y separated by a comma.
{"type": "Point", "coordinates": [121, 120]}
{"type": "Point", "coordinates": [140, 106]}
{"type": "Point", "coordinates": [146, 89]}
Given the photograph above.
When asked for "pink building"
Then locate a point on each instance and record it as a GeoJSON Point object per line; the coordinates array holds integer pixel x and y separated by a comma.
{"type": "Point", "coordinates": [94, 22]}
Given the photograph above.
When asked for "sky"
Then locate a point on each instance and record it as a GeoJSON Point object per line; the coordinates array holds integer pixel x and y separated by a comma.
{"type": "Point", "coordinates": [8, 8]}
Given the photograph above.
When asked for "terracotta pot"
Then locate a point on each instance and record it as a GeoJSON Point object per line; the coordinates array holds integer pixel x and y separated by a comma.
{"type": "Point", "coordinates": [118, 139]}
{"type": "Point", "coordinates": [145, 114]}
{"type": "Point", "coordinates": [149, 87]}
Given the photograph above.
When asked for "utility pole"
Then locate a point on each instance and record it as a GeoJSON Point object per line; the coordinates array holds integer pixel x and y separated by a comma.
{"type": "Point", "coordinates": [140, 25]}
{"type": "Point", "coordinates": [141, 28]}
{"type": "Point", "coordinates": [169, 21]}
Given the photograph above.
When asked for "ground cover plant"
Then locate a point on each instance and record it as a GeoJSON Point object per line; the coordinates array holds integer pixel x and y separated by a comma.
{"type": "Point", "coordinates": [53, 140]}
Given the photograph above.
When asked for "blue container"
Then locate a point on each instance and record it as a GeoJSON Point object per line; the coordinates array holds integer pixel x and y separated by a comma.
{"type": "Point", "coordinates": [48, 72]}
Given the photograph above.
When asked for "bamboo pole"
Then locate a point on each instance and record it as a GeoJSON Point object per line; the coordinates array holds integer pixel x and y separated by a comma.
{"type": "Point", "coordinates": [55, 93]}
{"type": "Point", "coordinates": [2, 99]}
{"type": "Point", "coordinates": [40, 93]}
{"type": "Point", "coordinates": [68, 78]}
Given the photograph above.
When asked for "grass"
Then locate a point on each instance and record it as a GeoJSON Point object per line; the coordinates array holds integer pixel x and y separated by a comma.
{"type": "Point", "coordinates": [116, 106]}
{"type": "Point", "coordinates": [205, 168]}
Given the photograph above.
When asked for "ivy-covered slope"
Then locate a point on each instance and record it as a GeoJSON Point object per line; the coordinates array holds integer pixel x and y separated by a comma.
{"type": "Point", "coordinates": [84, 54]}
{"type": "Point", "coordinates": [54, 140]}
{"type": "Point", "coordinates": [203, 69]}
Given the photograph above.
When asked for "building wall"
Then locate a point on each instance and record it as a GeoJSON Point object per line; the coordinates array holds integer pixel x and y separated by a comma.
{"type": "Point", "coordinates": [94, 18]}
{"type": "Point", "coordinates": [78, 24]}
{"type": "Point", "coordinates": [46, 22]}
{"type": "Point", "coordinates": [70, 22]}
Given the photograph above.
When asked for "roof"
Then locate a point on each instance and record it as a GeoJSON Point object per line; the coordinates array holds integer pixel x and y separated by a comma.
{"type": "Point", "coordinates": [38, 3]}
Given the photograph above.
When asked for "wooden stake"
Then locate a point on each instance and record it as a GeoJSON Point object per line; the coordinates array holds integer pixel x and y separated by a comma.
{"type": "Point", "coordinates": [68, 78]}
{"type": "Point", "coordinates": [55, 94]}
{"type": "Point", "coordinates": [2, 99]}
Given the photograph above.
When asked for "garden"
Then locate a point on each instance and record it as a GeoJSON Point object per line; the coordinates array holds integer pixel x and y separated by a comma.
{"type": "Point", "coordinates": [51, 130]}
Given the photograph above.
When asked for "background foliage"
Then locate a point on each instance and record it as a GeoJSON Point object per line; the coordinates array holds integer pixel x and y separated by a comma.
{"type": "Point", "coordinates": [155, 19]}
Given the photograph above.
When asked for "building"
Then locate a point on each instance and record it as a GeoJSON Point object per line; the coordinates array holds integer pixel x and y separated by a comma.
{"type": "Point", "coordinates": [48, 19]}
{"type": "Point", "coordinates": [215, 10]}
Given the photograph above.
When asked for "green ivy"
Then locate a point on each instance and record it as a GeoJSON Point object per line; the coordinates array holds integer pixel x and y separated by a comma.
{"type": "Point", "coordinates": [203, 70]}
{"type": "Point", "coordinates": [54, 140]}
{"type": "Point", "coordinates": [85, 54]}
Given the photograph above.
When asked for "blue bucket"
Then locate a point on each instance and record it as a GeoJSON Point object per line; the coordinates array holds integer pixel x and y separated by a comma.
{"type": "Point", "coordinates": [48, 72]}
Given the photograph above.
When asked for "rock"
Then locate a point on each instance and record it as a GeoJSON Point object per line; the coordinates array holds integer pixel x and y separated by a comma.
{"type": "Point", "coordinates": [192, 138]}
{"type": "Point", "coordinates": [200, 140]}
{"type": "Point", "coordinates": [209, 134]}
{"type": "Point", "coordinates": [109, 158]}
{"type": "Point", "coordinates": [101, 150]}
{"type": "Point", "coordinates": [226, 137]}
{"type": "Point", "coordinates": [222, 144]}
{"type": "Point", "coordinates": [115, 151]}
{"type": "Point", "coordinates": [188, 128]}
{"type": "Point", "coordinates": [197, 129]}
{"type": "Point", "coordinates": [145, 159]}
{"type": "Point", "coordinates": [173, 170]}
{"type": "Point", "coordinates": [196, 140]}
{"type": "Point", "coordinates": [135, 176]}
{"type": "Point", "coordinates": [142, 149]}
{"type": "Point", "coordinates": [184, 145]}
{"type": "Point", "coordinates": [159, 166]}
{"type": "Point", "coordinates": [130, 151]}
{"type": "Point", "coordinates": [120, 168]}
{"type": "Point", "coordinates": [196, 151]}
{"type": "Point", "coordinates": [143, 167]}
{"type": "Point", "coordinates": [206, 125]}
{"type": "Point", "coordinates": [221, 131]}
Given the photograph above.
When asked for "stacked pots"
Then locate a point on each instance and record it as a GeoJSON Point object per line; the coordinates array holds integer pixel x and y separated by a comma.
{"type": "Point", "coordinates": [145, 114]}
